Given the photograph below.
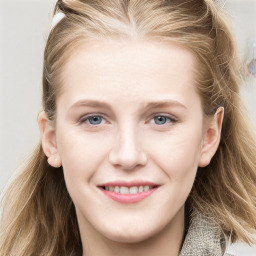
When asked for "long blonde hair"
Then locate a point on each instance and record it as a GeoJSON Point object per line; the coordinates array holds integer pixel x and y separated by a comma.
{"type": "Point", "coordinates": [38, 215]}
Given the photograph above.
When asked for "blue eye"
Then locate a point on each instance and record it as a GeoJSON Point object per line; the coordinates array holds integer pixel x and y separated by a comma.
{"type": "Point", "coordinates": [95, 120]}
{"type": "Point", "coordinates": [161, 120]}
{"type": "Point", "coordinates": [92, 120]}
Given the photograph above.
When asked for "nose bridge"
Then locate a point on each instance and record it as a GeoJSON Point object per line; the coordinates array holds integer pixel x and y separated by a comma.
{"type": "Point", "coordinates": [127, 151]}
{"type": "Point", "coordinates": [127, 139]}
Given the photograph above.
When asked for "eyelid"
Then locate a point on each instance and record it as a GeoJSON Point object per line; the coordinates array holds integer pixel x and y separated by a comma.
{"type": "Point", "coordinates": [172, 117]}
{"type": "Point", "coordinates": [87, 116]}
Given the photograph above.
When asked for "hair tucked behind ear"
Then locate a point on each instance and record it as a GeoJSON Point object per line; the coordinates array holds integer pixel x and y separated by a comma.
{"type": "Point", "coordinates": [39, 216]}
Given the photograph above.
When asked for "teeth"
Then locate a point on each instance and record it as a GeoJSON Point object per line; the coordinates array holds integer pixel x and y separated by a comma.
{"type": "Point", "coordinates": [133, 190]}
{"type": "Point", "coordinates": [146, 188]}
{"type": "Point", "coordinates": [126, 190]}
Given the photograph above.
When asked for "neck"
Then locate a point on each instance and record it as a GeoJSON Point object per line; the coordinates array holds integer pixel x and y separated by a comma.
{"type": "Point", "coordinates": [166, 242]}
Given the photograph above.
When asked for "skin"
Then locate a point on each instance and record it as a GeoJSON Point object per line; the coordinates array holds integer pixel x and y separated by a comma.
{"type": "Point", "coordinates": [128, 143]}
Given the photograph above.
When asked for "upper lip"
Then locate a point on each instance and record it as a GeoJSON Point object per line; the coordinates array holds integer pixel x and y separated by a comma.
{"type": "Point", "coordinates": [128, 184]}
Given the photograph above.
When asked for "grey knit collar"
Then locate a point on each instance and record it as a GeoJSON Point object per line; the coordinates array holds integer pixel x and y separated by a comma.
{"type": "Point", "coordinates": [204, 237]}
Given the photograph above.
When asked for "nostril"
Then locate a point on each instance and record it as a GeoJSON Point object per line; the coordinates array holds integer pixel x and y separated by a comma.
{"type": "Point", "coordinates": [128, 161]}
{"type": "Point", "coordinates": [127, 153]}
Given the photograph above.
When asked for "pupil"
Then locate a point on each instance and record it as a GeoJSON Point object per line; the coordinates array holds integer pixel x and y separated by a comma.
{"type": "Point", "coordinates": [160, 120]}
{"type": "Point", "coordinates": [95, 120]}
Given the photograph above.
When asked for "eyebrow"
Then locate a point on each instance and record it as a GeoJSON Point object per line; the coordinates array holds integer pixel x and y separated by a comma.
{"type": "Point", "coordinates": [152, 104]}
{"type": "Point", "coordinates": [165, 103]}
{"type": "Point", "coordinates": [90, 103]}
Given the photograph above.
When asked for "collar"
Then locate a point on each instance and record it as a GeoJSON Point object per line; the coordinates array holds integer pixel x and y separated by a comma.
{"type": "Point", "coordinates": [204, 237]}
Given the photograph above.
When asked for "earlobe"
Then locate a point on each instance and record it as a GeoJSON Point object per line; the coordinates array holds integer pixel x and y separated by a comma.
{"type": "Point", "coordinates": [48, 139]}
{"type": "Point", "coordinates": [212, 137]}
{"type": "Point", "coordinates": [54, 161]}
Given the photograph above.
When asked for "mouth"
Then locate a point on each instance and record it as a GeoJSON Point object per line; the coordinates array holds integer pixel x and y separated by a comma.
{"type": "Point", "coordinates": [128, 190]}
{"type": "Point", "coordinates": [124, 193]}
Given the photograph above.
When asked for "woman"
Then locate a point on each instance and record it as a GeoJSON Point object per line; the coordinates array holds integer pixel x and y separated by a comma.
{"type": "Point", "coordinates": [145, 148]}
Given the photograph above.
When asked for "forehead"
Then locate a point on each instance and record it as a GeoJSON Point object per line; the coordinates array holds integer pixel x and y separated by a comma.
{"type": "Point", "coordinates": [128, 70]}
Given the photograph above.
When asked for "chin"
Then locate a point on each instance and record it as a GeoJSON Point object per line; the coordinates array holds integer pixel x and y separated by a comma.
{"type": "Point", "coordinates": [135, 235]}
{"type": "Point", "coordinates": [127, 239]}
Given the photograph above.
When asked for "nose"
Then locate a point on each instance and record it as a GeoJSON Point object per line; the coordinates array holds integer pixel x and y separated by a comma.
{"type": "Point", "coordinates": [126, 152]}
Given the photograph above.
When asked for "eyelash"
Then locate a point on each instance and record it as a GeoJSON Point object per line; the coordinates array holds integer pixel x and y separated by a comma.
{"type": "Point", "coordinates": [84, 119]}
{"type": "Point", "coordinates": [172, 119]}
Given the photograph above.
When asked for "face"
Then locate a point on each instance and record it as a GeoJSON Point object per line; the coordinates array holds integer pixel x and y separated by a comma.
{"type": "Point", "coordinates": [130, 135]}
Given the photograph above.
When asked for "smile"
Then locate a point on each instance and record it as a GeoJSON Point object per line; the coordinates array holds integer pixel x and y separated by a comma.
{"type": "Point", "coordinates": [127, 190]}
{"type": "Point", "coordinates": [128, 194]}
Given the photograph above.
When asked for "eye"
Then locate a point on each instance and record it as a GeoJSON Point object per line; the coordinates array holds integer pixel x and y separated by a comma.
{"type": "Point", "coordinates": [161, 119]}
{"type": "Point", "coordinates": [92, 120]}
{"type": "Point", "coordinates": [95, 120]}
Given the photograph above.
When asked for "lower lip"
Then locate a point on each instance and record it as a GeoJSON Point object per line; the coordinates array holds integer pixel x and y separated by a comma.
{"type": "Point", "coordinates": [128, 198]}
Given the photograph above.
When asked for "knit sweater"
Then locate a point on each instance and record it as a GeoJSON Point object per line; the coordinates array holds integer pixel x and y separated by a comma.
{"type": "Point", "coordinates": [204, 238]}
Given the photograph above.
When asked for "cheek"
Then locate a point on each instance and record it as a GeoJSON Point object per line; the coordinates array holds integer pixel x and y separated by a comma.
{"type": "Point", "coordinates": [81, 154]}
{"type": "Point", "coordinates": [79, 147]}
{"type": "Point", "coordinates": [177, 153]}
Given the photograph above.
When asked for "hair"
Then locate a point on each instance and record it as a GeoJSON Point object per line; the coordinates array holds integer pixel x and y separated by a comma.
{"type": "Point", "coordinates": [39, 216]}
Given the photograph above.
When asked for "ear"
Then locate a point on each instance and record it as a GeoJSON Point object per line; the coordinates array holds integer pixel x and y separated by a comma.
{"type": "Point", "coordinates": [212, 135]}
{"type": "Point", "coordinates": [48, 138]}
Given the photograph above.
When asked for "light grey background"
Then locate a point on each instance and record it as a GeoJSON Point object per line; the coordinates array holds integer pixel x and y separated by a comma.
{"type": "Point", "coordinates": [23, 31]}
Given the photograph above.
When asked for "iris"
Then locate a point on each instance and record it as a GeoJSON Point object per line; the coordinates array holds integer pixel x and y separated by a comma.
{"type": "Point", "coordinates": [95, 120]}
{"type": "Point", "coordinates": [159, 120]}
